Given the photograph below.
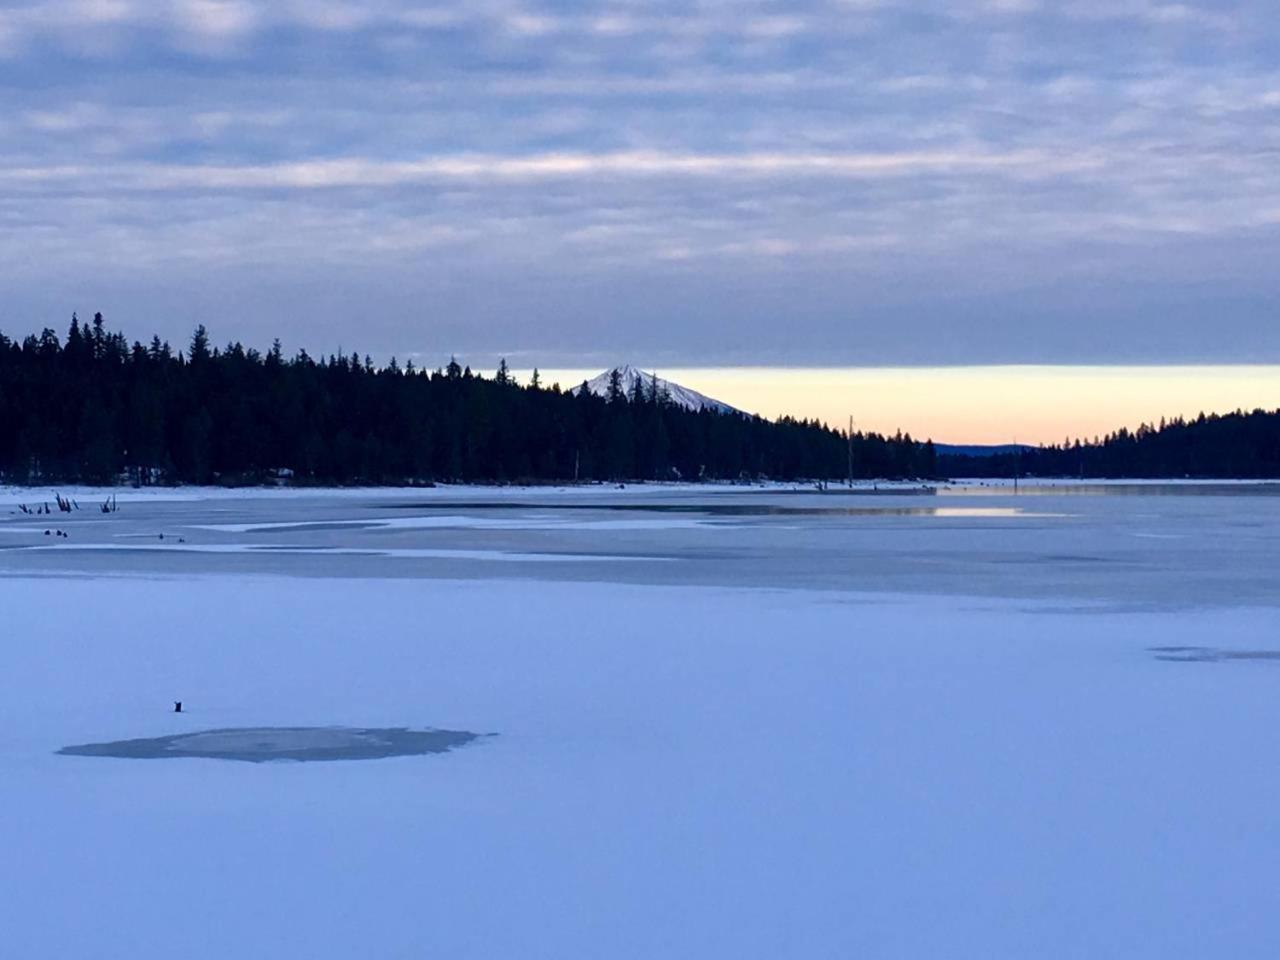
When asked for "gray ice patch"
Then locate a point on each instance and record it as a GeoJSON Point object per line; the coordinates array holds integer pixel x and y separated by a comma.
{"type": "Point", "coordinates": [260, 744]}
{"type": "Point", "coordinates": [1210, 654]}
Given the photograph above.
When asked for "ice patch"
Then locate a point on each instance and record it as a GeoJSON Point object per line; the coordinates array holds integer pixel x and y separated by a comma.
{"type": "Point", "coordinates": [407, 553]}
{"type": "Point", "coordinates": [1210, 654]}
{"type": "Point", "coordinates": [261, 744]}
{"type": "Point", "coordinates": [453, 522]}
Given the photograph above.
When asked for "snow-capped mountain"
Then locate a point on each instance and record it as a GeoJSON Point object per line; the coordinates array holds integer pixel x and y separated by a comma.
{"type": "Point", "coordinates": [678, 395]}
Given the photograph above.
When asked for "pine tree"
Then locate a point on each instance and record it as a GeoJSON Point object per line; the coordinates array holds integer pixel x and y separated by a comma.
{"type": "Point", "coordinates": [99, 336]}
{"type": "Point", "coordinates": [199, 352]}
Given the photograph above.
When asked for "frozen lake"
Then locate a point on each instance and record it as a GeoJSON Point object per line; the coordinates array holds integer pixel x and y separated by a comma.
{"type": "Point", "coordinates": [737, 723]}
{"type": "Point", "coordinates": [1136, 545]}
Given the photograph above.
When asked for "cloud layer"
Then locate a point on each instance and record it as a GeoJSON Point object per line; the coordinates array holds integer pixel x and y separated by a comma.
{"type": "Point", "coordinates": [851, 181]}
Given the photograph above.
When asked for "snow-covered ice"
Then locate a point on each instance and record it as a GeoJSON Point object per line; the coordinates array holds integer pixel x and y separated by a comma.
{"type": "Point", "coordinates": [813, 731]}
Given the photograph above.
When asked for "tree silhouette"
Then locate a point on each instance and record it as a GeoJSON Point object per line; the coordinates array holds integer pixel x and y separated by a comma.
{"type": "Point", "coordinates": [102, 410]}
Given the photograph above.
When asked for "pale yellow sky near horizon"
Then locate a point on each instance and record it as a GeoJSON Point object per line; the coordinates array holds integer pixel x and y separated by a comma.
{"type": "Point", "coordinates": [987, 404]}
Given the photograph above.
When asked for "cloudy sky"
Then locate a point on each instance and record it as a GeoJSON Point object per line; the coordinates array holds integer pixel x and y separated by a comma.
{"type": "Point", "coordinates": [693, 184]}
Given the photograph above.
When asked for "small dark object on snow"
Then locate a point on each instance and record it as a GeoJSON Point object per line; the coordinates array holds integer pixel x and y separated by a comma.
{"type": "Point", "coordinates": [177, 706]}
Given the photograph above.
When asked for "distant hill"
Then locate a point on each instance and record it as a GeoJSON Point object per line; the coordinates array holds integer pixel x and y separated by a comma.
{"type": "Point", "coordinates": [1235, 445]}
{"type": "Point", "coordinates": [979, 450]}
{"type": "Point", "coordinates": [677, 394]}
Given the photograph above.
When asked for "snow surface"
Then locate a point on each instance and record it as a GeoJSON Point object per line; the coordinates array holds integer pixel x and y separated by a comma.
{"type": "Point", "coordinates": [679, 395]}
{"type": "Point", "coordinates": [805, 735]}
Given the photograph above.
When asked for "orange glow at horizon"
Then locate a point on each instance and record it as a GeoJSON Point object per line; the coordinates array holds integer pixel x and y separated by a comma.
{"type": "Point", "coordinates": [996, 404]}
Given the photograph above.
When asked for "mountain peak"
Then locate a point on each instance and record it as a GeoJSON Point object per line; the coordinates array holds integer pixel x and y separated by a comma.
{"type": "Point", "coordinates": [678, 395]}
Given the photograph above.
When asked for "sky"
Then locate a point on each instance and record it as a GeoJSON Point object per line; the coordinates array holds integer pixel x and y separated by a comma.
{"type": "Point", "coordinates": [979, 404]}
{"type": "Point", "coordinates": [703, 184]}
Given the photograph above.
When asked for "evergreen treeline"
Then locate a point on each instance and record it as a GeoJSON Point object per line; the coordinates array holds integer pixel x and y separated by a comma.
{"type": "Point", "coordinates": [97, 409]}
{"type": "Point", "coordinates": [1236, 445]}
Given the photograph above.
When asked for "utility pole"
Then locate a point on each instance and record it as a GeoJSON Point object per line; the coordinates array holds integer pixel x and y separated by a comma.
{"type": "Point", "coordinates": [1017, 464]}
{"type": "Point", "coordinates": [849, 438]}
